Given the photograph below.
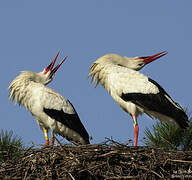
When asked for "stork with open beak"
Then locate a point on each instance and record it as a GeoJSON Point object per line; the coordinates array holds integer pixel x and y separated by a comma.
{"type": "Point", "coordinates": [134, 92]}
{"type": "Point", "coordinates": [51, 110]}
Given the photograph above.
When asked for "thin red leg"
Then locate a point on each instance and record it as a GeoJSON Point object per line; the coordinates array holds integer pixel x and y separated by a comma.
{"type": "Point", "coordinates": [136, 130]}
{"type": "Point", "coordinates": [52, 139]}
{"type": "Point", "coordinates": [47, 142]}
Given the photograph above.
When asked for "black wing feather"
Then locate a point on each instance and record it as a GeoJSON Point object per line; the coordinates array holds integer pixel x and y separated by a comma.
{"type": "Point", "coordinates": [72, 121]}
{"type": "Point", "coordinates": [158, 103]}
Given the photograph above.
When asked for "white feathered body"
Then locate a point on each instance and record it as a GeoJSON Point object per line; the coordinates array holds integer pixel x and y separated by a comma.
{"type": "Point", "coordinates": [36, 97]}
{"type": "Point", "coordinates": [119, 81]}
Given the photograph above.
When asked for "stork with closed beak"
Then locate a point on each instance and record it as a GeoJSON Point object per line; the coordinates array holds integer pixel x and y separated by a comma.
{"type": "Point", "coordinates": [134, 92]}
{"type": "Point", "coordinates": [51, 110]}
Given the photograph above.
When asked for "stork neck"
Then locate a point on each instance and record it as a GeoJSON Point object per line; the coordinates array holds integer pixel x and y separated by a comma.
{"type": "Point", "coordinates": [21, 88]}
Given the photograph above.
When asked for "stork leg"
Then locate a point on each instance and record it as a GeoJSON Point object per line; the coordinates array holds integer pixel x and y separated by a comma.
{"type": "Point", "coordinates": [46, 136]}
{"type": "Point", "coordinates": [52, 139]}
{"type": "Point", "coordinates": [136, 130]}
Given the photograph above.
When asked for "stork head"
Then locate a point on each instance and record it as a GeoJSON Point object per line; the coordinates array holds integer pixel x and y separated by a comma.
{"type": "Point", "coordinates": [48, 73]}
{"type": "Point", "coordinates": [138, 63]}
{"type": "Point", "coordinates": [135, 63]}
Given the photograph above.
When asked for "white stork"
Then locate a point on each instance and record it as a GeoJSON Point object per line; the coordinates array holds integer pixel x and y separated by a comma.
{"type": "Point", "coordinates": [50, 109]}
{"type": "Point", "coordinates": [133, 91]}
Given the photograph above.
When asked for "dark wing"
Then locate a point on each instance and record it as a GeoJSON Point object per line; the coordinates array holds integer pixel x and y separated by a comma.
{"type": "Point", "coordinates": [160, 102]}
{"type": "Point", "coordinates": [71, 121]}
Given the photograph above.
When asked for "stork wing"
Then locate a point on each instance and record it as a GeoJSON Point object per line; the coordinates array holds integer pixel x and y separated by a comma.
{"type": "Point", "coordinates": [159, 102]}
{"type": "Point", "coordinates": [133, 86]}
{"type": "Point", "coordinates": [63, 111]}
{"type": "Point", "coordinates": [124, 80]}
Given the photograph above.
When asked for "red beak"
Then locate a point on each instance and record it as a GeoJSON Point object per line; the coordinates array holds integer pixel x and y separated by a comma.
{"type": "Point", "coordinates": [50, 67]}
{"type": "Point", "coordinates": [149, 59]}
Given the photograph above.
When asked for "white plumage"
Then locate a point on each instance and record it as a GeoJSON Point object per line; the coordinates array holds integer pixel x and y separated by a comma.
{"type": "Point", "coordinates": [133, 91]}
{"type": "Point", "coordinates": [50, 109]}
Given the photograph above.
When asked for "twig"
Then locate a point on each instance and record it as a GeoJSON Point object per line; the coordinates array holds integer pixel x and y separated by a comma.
{"type": "Point", "coordinates": [71, 176]}
{"type": "Point", "coordinates": [122, 177]}
{"type": "Point", "coordinates": [146, 169]}
{"type": "Point", "coordinates": [153, 153]}
{"type": "Point", "coordinates": [109, 153]}
{"type": "Point", "coordinates": [115, 142]}
{"type": "Point", "coordinates": [125, 163]}
{"type": "Point", "coordinates": [58, 141]}
{"type": "Point", "coordinates": [25, 177]}
{"type": "Point", "coordinates": [177, 160]}
{"type": "Point", "coordinates": [89, 168]}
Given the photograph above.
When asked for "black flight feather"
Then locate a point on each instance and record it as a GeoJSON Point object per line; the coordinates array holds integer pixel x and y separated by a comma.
{"type": "Point", "coordinates": [72, 121]}
{"type": "Point", "coordinates": [159, 103]}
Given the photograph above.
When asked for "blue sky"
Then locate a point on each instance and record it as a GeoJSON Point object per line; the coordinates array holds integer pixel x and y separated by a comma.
{"type": "Point", "coordinates": [32, 32]}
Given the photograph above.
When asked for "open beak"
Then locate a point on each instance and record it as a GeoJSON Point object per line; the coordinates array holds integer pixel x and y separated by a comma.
{"type": "Point", "coordinates": [149, 59]}
{"type": "Point", "coordinates": [50, 67]}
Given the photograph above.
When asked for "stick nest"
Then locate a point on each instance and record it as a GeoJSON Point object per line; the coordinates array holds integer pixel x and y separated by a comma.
{"type": "Point", "coordinates": [109, 160]}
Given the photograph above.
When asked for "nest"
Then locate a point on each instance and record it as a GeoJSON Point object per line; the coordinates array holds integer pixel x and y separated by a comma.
{"type": "Point", "coordinates": [109, 160]}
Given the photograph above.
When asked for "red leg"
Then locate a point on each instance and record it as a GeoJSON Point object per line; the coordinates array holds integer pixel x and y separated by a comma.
{"type": "Point", "coordinates": [47, 142]}
{"type": "Point", "coordinates": [136, 130]}
{"type": "Point", "coordinates": [52, 139]}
